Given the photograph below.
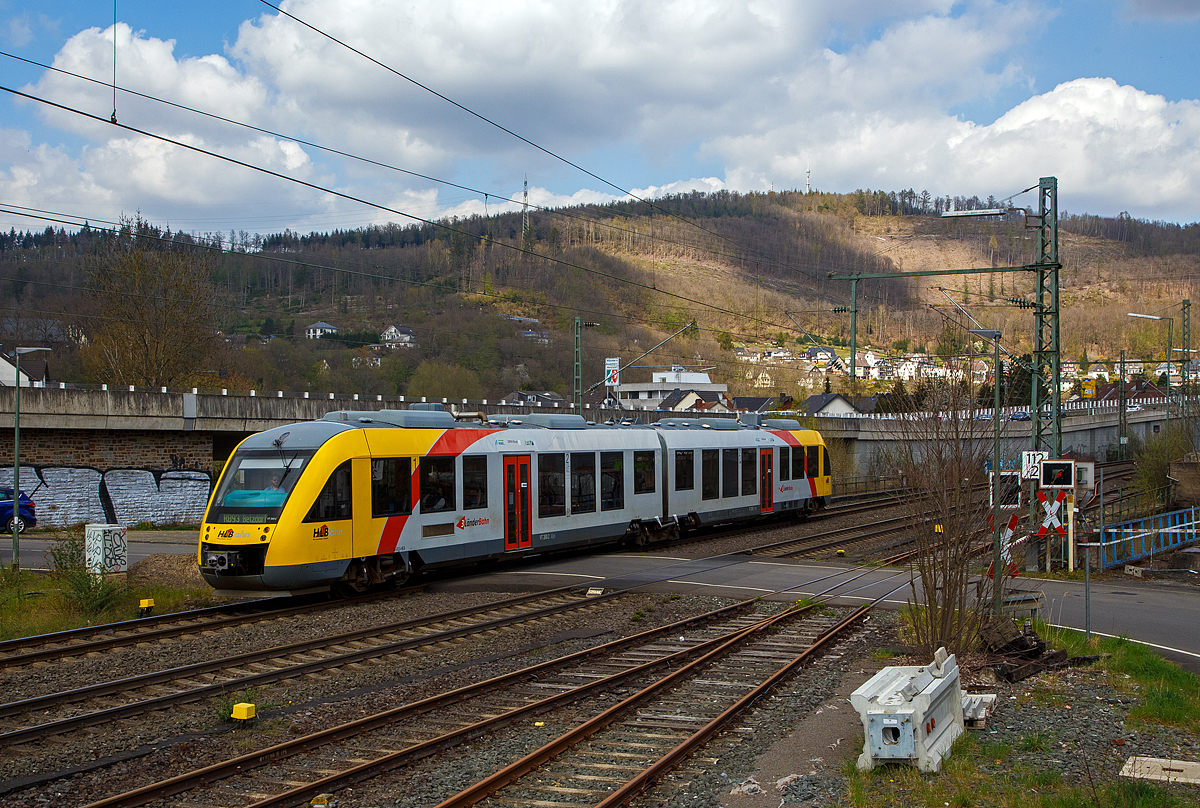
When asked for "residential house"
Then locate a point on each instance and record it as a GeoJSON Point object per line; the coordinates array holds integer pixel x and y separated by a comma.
{"type": "Point", "coordinates": [829, 404]}
{"type": "Point", "coordinates": [33, 371]}
{"type": "Point", "coordinates": [648, 395]}
{"type": "Point", "coordinates": [319, 330]}
{"type": "Point", "coordinates": [754, 403]}
{"type": "Point", "coordinates": [398, 336]}
{"type": "Point", "coordinates": [534, 398]}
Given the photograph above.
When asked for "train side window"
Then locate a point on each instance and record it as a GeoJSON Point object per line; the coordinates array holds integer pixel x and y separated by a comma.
{"type": "Point", "coordinates": [710, 474]}
{"type": "Point", "coordinates": [814, 454]}
{"type": "Point", "coordinates": [798, 463]}
{"type": "Point", "coordinates": [826, 471]}
{"type": "Point", "coordinates": [583, 482]}
{"type": "Point", "coordinates": [785, 463]}
{"type": "Point", "coordinates": [729, 472]}
{"type": "Point", "coordinates": [685, 470]}
{"type": "Point", "coordinates": [437, 484]}
{"type": "Point", "coordinates": [643, 472]}
{"type": "Point", "coordinates": [474, 482]}
{"type": "Point", "coordinates": [552, 491]}
{"type": "Point", "coordinates": [749, 472]}
{"type": "Point", "coordinates": [335, 499]}
{"type": "Point", "coordinates": [612, 481]}
{"type": "Point", "coordinates": [391, 486]}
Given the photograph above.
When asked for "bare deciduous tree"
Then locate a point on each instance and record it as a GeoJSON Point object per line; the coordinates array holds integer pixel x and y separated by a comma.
{"type": "Point", "coordinates": [159, 305]}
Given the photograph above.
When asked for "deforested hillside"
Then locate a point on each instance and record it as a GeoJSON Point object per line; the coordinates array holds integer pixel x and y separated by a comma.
{"type": "Point", "coordinates": [487, 305]}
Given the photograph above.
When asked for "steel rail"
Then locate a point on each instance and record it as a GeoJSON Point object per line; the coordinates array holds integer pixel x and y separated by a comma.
{"type": "Point", "coordinates": [366, 771]}
{"type": "Point", "coordinates": [157, 703]}
{"type": "Point", "coordinates": [644, 779]}
{"type": "Point", "coordinates": [153, 634]}
{"type": "Point", "coordinates": [243, 763]}
{"type": "Point", "coordinates": [514, 771]}
{"type": "Point", "coordinates": [787, 544]}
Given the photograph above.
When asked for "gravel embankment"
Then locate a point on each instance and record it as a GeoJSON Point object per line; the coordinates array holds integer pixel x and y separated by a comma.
{"type": "Point", "coordinates": [192, 735]}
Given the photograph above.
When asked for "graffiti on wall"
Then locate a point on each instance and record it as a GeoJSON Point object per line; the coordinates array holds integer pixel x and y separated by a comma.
{"type": "Point", "coordinates": [72, 495]}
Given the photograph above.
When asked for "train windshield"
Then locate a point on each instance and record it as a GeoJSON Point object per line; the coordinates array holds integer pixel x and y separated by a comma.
{"type": "Point", "coordinates": [256, 486]}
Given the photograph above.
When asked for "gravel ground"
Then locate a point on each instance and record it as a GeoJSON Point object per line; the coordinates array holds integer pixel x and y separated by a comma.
{"type": "Point", "coordinates": [191, 735]}
{"type": "Point", "coordinates": [789, 750]}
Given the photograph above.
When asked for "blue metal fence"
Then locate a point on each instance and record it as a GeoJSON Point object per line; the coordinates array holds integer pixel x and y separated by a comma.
{"type": "Point", "coordinates": [1143, 538]}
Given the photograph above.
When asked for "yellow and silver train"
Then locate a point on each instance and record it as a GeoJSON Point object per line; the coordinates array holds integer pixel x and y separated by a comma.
{"type": "Point", "coordinates": [360, 499]}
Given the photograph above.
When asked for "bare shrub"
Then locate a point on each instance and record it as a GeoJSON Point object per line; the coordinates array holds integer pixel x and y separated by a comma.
{"type": "Point", "coordinates": [943, 452]}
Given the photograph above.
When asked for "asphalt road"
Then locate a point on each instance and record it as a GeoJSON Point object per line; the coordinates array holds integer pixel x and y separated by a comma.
{"type": "Point", "coordinates": [1163, 614]}
{"type": "Point", "coordinates": [35, 547]}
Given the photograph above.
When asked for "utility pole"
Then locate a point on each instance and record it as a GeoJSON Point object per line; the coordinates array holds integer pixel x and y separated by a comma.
{"type": "Point", "coordinates": [853, 331]}
{"type": "Point", "coordinates": [1185, 408]}
{"type": "Point", "coordinates": [1123, 416]}
{"type": "Point", "coordinates": [525, 213]}
{"type": "Point", "coordinates": [1046, 343]}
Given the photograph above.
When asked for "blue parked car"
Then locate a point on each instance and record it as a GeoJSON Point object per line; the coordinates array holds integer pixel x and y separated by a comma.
{"type": "Point", "coordinates": [26, 515]}
{"type": "Point", "coordinates": [1020, 415]}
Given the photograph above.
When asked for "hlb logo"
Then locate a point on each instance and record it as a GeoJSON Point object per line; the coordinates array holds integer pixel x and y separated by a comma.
{"type": "Point", "coordinates": [225, 534]}
{"type": "Point", "coordinates": [321, 532]}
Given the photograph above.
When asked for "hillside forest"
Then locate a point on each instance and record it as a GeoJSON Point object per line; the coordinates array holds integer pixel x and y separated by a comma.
{"type": "Point", "coordinates": [492, 304]}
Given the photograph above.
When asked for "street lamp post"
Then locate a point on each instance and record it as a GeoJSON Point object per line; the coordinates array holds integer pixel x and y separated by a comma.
{"type": "Point", "coordinates": [997, 591]}
{"type": "Point", "coordinates": [1167, 423]}
{"type": "Point", "coordinates": [16, 500]}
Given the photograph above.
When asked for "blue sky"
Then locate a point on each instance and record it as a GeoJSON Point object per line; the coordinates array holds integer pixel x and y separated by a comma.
{"type": "Point", "coordinates": [956, 98]}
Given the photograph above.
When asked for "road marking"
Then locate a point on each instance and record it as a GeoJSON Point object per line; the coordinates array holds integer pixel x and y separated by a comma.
{"type": "Point", "coordinates": [663, 558]}
{"type": "Point", "coordinates": [718, 586]}
{"type": "Point", "coordinates": [563, 574]}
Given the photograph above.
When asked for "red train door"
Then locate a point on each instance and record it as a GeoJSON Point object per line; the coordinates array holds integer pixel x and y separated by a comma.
{"type": "Point", "coordinates": [766, 479]}
{"type": "Point", "coordinates": [517, 534]}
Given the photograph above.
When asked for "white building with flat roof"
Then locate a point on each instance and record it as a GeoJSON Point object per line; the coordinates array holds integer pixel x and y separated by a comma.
{"type": "Point", "coordinates": [648, 395]}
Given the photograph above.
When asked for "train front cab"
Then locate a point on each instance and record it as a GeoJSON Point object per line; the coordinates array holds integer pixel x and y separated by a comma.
{"type": "Point", "coordinates": [280, 517]}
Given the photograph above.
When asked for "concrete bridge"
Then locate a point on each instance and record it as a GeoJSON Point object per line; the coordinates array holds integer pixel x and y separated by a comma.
{"type": "Point", "coordinates": [128, 455]}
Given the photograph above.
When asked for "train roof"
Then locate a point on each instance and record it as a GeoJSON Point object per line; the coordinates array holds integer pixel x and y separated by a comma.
{"type": "Point", "coordinates": [440, 419]}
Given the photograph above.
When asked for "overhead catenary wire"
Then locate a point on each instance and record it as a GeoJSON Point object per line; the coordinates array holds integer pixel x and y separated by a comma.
{"type": "Point", "coordinates": [379, 164]}
{"type": "Point", "coordinates": [505, 129]}
{"type": "Point", "coordinates": [360, 200]}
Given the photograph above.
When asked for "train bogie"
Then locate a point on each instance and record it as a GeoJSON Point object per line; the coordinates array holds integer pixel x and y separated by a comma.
{"type": "Point", "coordinates": [361, 499]}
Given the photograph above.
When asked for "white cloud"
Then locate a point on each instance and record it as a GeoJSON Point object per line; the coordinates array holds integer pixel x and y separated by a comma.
{"type": "Point", "coordinates": [861, 91]}
{"type": "Point", "coordinates": [16, 32]}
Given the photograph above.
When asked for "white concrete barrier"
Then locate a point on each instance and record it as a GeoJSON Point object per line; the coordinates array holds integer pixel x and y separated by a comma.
{"type": "Point", "coordinates": [911, 713]}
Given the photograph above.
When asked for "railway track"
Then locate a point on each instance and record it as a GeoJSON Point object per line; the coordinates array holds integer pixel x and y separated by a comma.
{"type": "Point", "coordinates": [107, 637]}
{"type": "Point", "coordinates": [612, 757]}
{"type": "Point", "coordinates": [37, 718]}
{"type": "Point", "coordinates": [704, 661]}
{"type": "Point", "coordinates": [833, 539]}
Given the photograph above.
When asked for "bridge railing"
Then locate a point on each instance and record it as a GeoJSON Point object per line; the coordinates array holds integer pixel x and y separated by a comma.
{"type": "Point", "coordinates": [1142, 503]}
{"type": "Point", "coordinates": [848, 486]}
{"type": "Point", "coordinates": [1143, 538]}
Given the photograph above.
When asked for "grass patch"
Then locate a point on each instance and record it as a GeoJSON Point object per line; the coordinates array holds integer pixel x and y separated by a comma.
{"type": "Point", "coordinates": [72, 597]}
{"type": "Point", "coordinates": [982, 774]}
{"type": "Point", "coordinates": [1167, 694]}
